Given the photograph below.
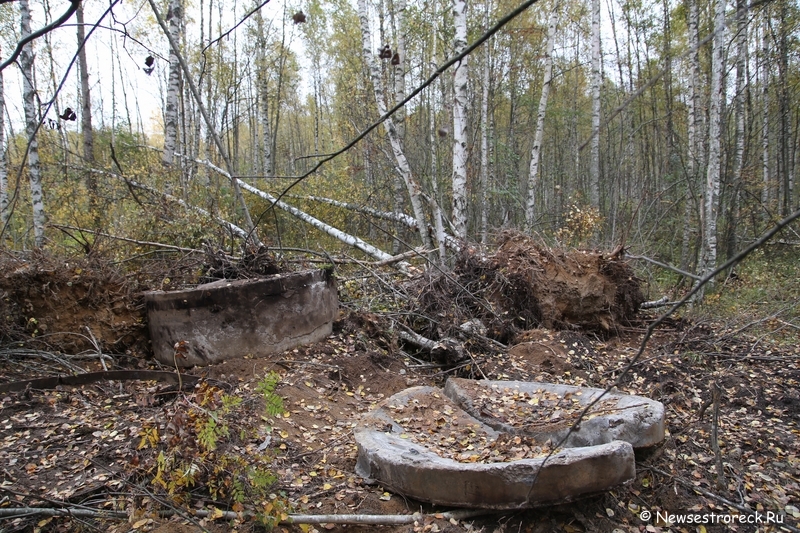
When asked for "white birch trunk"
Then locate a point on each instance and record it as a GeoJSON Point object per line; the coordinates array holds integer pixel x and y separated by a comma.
{"type": "Point", "coordinates": [406, 220]}
{"type": "Point", "coordinates": [398, 22]}
{"type": "Point", "coordinates": [263, 93]}
{"type": "Point", "coordinates": [174, 47]}
{"type": "Point", "coordinates": [174, 17]}
{"type": "Point", "coordinates": [414, 191]}
{"type": "Point", "coordinates": [485, 134]}
{"type": "Point", "coordinates": [3, 159]}
{"type": "Point", "coordinates": [711, 198]}
{"type": "Point", "coordinates": [766, 195]}
{"type": "Point", "coordinates": [460, 134]}
{"type": "Point", "coordinates": [739, 111]}
{"type": "Point", "coordinates": [533, 176]}
{"type": "Point", "coordinates": [31, 124]}
{"type": "Point", "coordinates": [695, 146]}
{"type": "Point", "coordinates": [438, 218]}
{"type": "Point", "coordinates": [346, 238]}
{"type": "Point", "coordinates": [594, 157]}
{"type": "Point", "coordinates": [400, 67]}
{"type": "Point", "coordinates": [233, 228]}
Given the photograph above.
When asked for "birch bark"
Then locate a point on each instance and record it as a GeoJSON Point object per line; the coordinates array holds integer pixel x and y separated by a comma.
{"type": "Point", "coordinates": [485, 169]}
{"type": "Point", "coordinates": [711, 205]}
{"type": "Point", "coordinates": [695, 143]}
{"type": "Point", "coordinates": [3, 159]}
{"type": "Point", "coordinates": [413, 187]}
{"type": "Point", "coordinates": [263, 93]}
{"type": "Point", "coordinates": [174, 17]}
{"type": "Point", "coordinates": [460, 80]}
{"type": "Point", "coordinates": [594, 162]}
{"type": "Point", "coordinates": [400, 67]}
{"type": "Point", "coordinates": [765, 74]}
{"type": "Point", "coordinates": [31, 124]}
{"type": "Point", "coordinates": [533, 176]}
{"type": "Point", "coordinates": [739, 111]}
{"type": "Point", "coordinates": [438, 219]}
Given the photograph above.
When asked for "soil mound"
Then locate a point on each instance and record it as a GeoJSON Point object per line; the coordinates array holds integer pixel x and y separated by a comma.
{"type": "Point", "coordinates": [525, 285]}
{"type": "Point", "coordinates": [69, 305]}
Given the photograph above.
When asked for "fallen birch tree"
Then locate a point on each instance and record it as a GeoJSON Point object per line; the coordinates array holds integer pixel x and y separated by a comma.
{"type": "Point", "coordinates": [338, 234]}
{"type": "Point", "coordinates": [409, 221]}
{"type": "Point", "coordinates": [230, 226]}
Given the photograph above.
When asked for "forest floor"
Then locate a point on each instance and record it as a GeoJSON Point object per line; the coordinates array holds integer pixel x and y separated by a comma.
{"type": "Point", "coordinates": [125, 445]}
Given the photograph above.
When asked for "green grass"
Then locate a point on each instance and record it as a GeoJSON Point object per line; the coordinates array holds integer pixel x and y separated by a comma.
{"type": "Point", "coordinates": [762, 295]}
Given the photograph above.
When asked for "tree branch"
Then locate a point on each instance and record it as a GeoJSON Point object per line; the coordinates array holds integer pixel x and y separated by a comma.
{"type": "Point", "coordinates": [73, 7]}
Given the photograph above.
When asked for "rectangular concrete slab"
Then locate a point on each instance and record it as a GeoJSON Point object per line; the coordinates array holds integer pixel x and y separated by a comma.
{"type": "Point", "coordinates": [233, 318]}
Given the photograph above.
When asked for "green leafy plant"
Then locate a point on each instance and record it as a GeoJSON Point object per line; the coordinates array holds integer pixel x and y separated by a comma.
{"type": "Point", "coordinates": [273, 404]}
{"type": "Point", "coordinates": [198, 450]}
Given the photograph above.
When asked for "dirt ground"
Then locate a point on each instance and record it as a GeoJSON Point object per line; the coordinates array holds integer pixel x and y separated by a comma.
{"type": "Point", "coordinates": [96, 446]}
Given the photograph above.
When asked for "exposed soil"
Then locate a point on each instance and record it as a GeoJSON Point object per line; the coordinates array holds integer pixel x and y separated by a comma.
{"type": "Point", "coordinates": [525, 285]}
{"type": "Point", "coordinates": [89, 445]}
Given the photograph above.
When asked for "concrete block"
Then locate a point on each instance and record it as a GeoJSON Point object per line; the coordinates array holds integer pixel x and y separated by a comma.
{"type": "Point", "coordinates": [633, 419]}
{"type": "Point", "coordinates": [386, 454]}
{"type": "Point", "coordinates": [233, 318]}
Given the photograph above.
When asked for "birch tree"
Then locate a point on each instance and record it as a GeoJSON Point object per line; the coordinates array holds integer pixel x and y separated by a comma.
{"type": "Point", "coordinates": [460, 133]}
{"type": "Point", "coordinates": [695, 144]}
{"type": "Point", "coordinates": [86, 96]}
{"type": "Point", "coordinates": [711, 205]}
{"type": "Point", "coordinates": [414, 190]}
{"type": "Point", "coordinates": [594, 157]}
{"type": "Point", "coordinates": [87, 135]}
{"type": "Point", "coordinates": [784, 156]}
{"type": "Point", "coordinates": [485, 82]}
{"type": "Point", "coordinates": [31, 125]}
{"type": "Point", "coordinates": [3, 158]}
{"type": "Point", "coordinates": [436, 202]}
{"type": "Point", "coordinates": [267, 160]}
{"type": "Point", "coordinates": [174, 47]}
{"type": "Point", "coordinates": [399, 19]}
{"type": "Point", "coordinates": [739, 112]}
{"type": "Point", "coordinates": [765, 76]}
{"type": "Point", "coordinates": [174, 17]}
{"type": "Point", "coordinates": [533, 176]}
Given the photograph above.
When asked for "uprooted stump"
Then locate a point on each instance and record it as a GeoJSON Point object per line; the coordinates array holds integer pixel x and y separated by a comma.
{"type": "Point", "coordinates": [525, 285]}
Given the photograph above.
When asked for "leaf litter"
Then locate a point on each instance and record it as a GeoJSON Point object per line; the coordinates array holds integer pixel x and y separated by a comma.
{"type": "Point", "coordinates": [82, 445]}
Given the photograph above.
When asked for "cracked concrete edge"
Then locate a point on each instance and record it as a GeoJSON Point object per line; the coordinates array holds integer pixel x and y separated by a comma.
{"type": "Point", "coordinates": [417, 472]}
{"type": "Point", "coordinates": [636, 419]}
{"type": "Point", "coordinates": [413, 470]}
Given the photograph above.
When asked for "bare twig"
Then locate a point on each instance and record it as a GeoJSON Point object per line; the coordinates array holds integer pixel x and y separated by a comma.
{"type": "Point", "coordinates": [715, 398]}
{"type": "Point", "coordinates": [652, 327]}
{"type": "Point", "coordinates": [98, 349]}
{"type": "Point", "coordinates": [126, 239]}
{"type": "Point", "coordinates": [664, 265]}
{"type": "Point", "coordinates": [721, 499]}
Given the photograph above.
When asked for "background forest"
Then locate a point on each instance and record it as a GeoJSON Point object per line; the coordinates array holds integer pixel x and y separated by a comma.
{"type": "Point", "coordinates": [671, 127]}
{"type": "Point", "coordinates": [469, 147]}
